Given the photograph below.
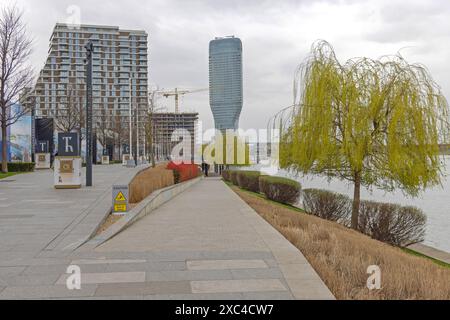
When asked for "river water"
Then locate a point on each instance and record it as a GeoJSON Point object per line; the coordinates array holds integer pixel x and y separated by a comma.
{"type": "Point", "coordinates": [434, 202]}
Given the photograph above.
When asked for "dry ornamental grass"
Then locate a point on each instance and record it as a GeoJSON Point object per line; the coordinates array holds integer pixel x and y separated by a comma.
{"type": "Point", "coordinates": [341, 257]}
{"type": "Point", "coordinates": [150, 180]}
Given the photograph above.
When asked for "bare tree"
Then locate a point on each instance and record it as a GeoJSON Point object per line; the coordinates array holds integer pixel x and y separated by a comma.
{"type": "Point", "coordinates": [15, 72]}
{"type": "Point", "coordinates": [150, 127]}
{"type": "Point", "coordinates": [104, 127]}
{"type": "Point", "coordinates": [119, 130]}
{"type": "Point", "coordinates": [69, 115]}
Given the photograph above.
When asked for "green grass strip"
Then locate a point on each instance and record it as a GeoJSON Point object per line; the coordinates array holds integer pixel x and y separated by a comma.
{"type": "Point", "coordinates": [418, 254]}
{"type": "Point", "coordinates": [8, 174]}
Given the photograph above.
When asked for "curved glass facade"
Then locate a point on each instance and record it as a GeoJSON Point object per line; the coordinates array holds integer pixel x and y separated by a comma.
{"type": "Point", "coordinates": [225, 82]}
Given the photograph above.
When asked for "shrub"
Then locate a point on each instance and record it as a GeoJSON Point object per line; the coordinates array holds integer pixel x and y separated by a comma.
{"type": "Point", "coordinates": [392, 223]}
{"type": "Point", "coordinates": [20, 166]}
{"type": "Point", "coordinates": [249, 180]}
{"type": "Point", "coordinates": [186, 171]}
{"type": "Point", "coordinates": [233, 177]}
{"type": "Point", "coordinates": [327, 205]}
{"type": "Point", "coordinates": [226, 175]}
{"type": "Point", "coordinates": [280, 189]}
{"type": "Point", "coordinates": [176, 176]}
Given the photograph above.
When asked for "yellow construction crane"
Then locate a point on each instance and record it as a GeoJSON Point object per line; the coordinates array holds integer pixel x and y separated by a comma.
{"type": "Point", "coordinates": [177, 93]}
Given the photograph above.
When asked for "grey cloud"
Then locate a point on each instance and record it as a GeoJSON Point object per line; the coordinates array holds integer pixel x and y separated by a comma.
{"type": "Point", "coordinates": [276, 36]}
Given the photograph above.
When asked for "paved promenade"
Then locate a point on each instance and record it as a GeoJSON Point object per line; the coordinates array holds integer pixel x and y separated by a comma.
{"type": "Point", "coordinates": [37, 221]}
{"type": "Point", "coordinates": [206, 243]}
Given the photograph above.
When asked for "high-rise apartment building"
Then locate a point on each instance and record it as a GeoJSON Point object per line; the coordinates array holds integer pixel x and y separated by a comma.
{"type": "Point", "coordinates": [225, 81]}
{"type": "Point", "coordinates": [119, 63]}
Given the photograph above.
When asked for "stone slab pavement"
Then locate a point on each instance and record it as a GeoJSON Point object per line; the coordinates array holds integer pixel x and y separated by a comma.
{"type": "Point", "coordinates": [38, 221]}
{"type": "Point", "coordinates": [206, 243]}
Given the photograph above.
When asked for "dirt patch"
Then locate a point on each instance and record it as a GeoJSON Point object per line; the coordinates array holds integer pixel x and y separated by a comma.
{"type": "Point", "coordinates": [341, 257]}
{"type": "Point", "coordinates": [110, 220]}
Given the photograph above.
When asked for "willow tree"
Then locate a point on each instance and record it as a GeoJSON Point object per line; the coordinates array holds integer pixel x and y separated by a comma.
{"type": "Point", "coordinates": [370, 122]}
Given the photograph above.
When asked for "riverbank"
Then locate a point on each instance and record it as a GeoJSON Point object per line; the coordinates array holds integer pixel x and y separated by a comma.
{"type": "Point", "coordinates": [431, 252]}
{"type": "Point", "coordinates": [433, 201]}
{"type": "Point", "coordinates": [341, 256]}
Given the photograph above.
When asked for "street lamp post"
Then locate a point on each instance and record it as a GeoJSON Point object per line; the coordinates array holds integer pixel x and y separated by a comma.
{"type": "Point", "coordinates": [89, 50]}
{"type": "Point", "coordinates": [137, 133]}
{"type": "Point", "coordinates": [131, 121]}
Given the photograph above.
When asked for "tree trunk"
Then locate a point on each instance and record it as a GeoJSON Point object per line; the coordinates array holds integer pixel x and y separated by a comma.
{"type": "Point", "coordinates": [80, 141]}
{"type": "Point", "coordinates": [356, 201]}
{"type": "Point", "coordinates": [152, 155]}
{"type": "Point", "coordinates": [119, 142]}
{"type": "Point", "coordinates": [4, 148]}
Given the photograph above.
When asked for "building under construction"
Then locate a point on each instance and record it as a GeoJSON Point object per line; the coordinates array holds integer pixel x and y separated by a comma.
{"type": "Point", "coordinates": [165, 125]}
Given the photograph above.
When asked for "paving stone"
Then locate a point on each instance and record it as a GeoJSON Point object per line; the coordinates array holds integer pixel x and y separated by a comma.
{"type": "Point", "coordinates": [189, 275]}
{"type": "Point", "coordinates": [105, 261]}
{"type": "Point", "coordinates": [271, 263]}
{"type": "Point", "coordinates": [225, 264]}
{"type": "Point", "coordinates": [62, 269]}
{"type": "Point", "coordinates": [118, 297]}
{"type": "Point", "coordinates": [112, 277]}
{"type": "Point", "coordinates": [32, 280]}
{"type": "Point", "coordinates": [299, 271]}
{"type": "Point", "coordinates": [6, 272]}
{"type": "Point", "coordinates": [42, 292]}
{"type": "Point", "coordinates": [272, 295]}
{"type": "Point", "coordinates": [289, 257]}
{"type": "Point", "coordinates": [196, 296]}
{"type": "Point", "coordinates": [309, 290]}
{"type": "Point", "coordinates": [48, 261]}
{"type": "Point", "coordinates": [221, 286]}
{"type": "Point", "coordinates": [148, 266]}
{"type": "Point", "coordinates": [146, 288]}
{"type": "Point", "coordinates": [267, 273]}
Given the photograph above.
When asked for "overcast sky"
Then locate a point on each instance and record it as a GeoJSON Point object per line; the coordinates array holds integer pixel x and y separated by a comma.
{"type": "Point", "coordinates": [276, 37]}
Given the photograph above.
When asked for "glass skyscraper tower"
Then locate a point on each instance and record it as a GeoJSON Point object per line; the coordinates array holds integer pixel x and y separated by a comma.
{"type": "Point", "coordinates": [225, 81]}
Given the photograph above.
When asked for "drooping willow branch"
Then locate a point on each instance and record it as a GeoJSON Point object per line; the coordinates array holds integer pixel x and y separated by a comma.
{"type": "Point", "coordinates": [381, 119]}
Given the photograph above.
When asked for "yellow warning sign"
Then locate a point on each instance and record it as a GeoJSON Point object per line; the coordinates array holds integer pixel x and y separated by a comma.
{"type": "Point", "coordinates": [120, 197]}
{"type": "Point", "coordinates": [120, 208]}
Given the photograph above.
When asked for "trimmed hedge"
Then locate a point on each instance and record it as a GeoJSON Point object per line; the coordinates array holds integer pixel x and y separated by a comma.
{"type": "Point", "coordinates": [226, 175]}
{"type": "Point", "coordinates": [186, 171]}
{"type": "Point", "coordinates": [21, 166]}
{"type": "Point", "coordinates": [176, 176]}
{"type": "Point", "coordinates": [233, 178]}
{"type": "Point", "coordinates": [280, 189]}
{"type": "Point", "coordinates": [248, 180]}
{"type": "Point", "coordinates": [327, 205]}
{"type": "Point", "coordinates": [391, 223]}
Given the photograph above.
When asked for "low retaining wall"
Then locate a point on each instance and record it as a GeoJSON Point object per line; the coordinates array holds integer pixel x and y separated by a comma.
{"type": "Point", "coordinates": [86, 224]}
{"type": "Point", "coordinates": [144, 208]}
